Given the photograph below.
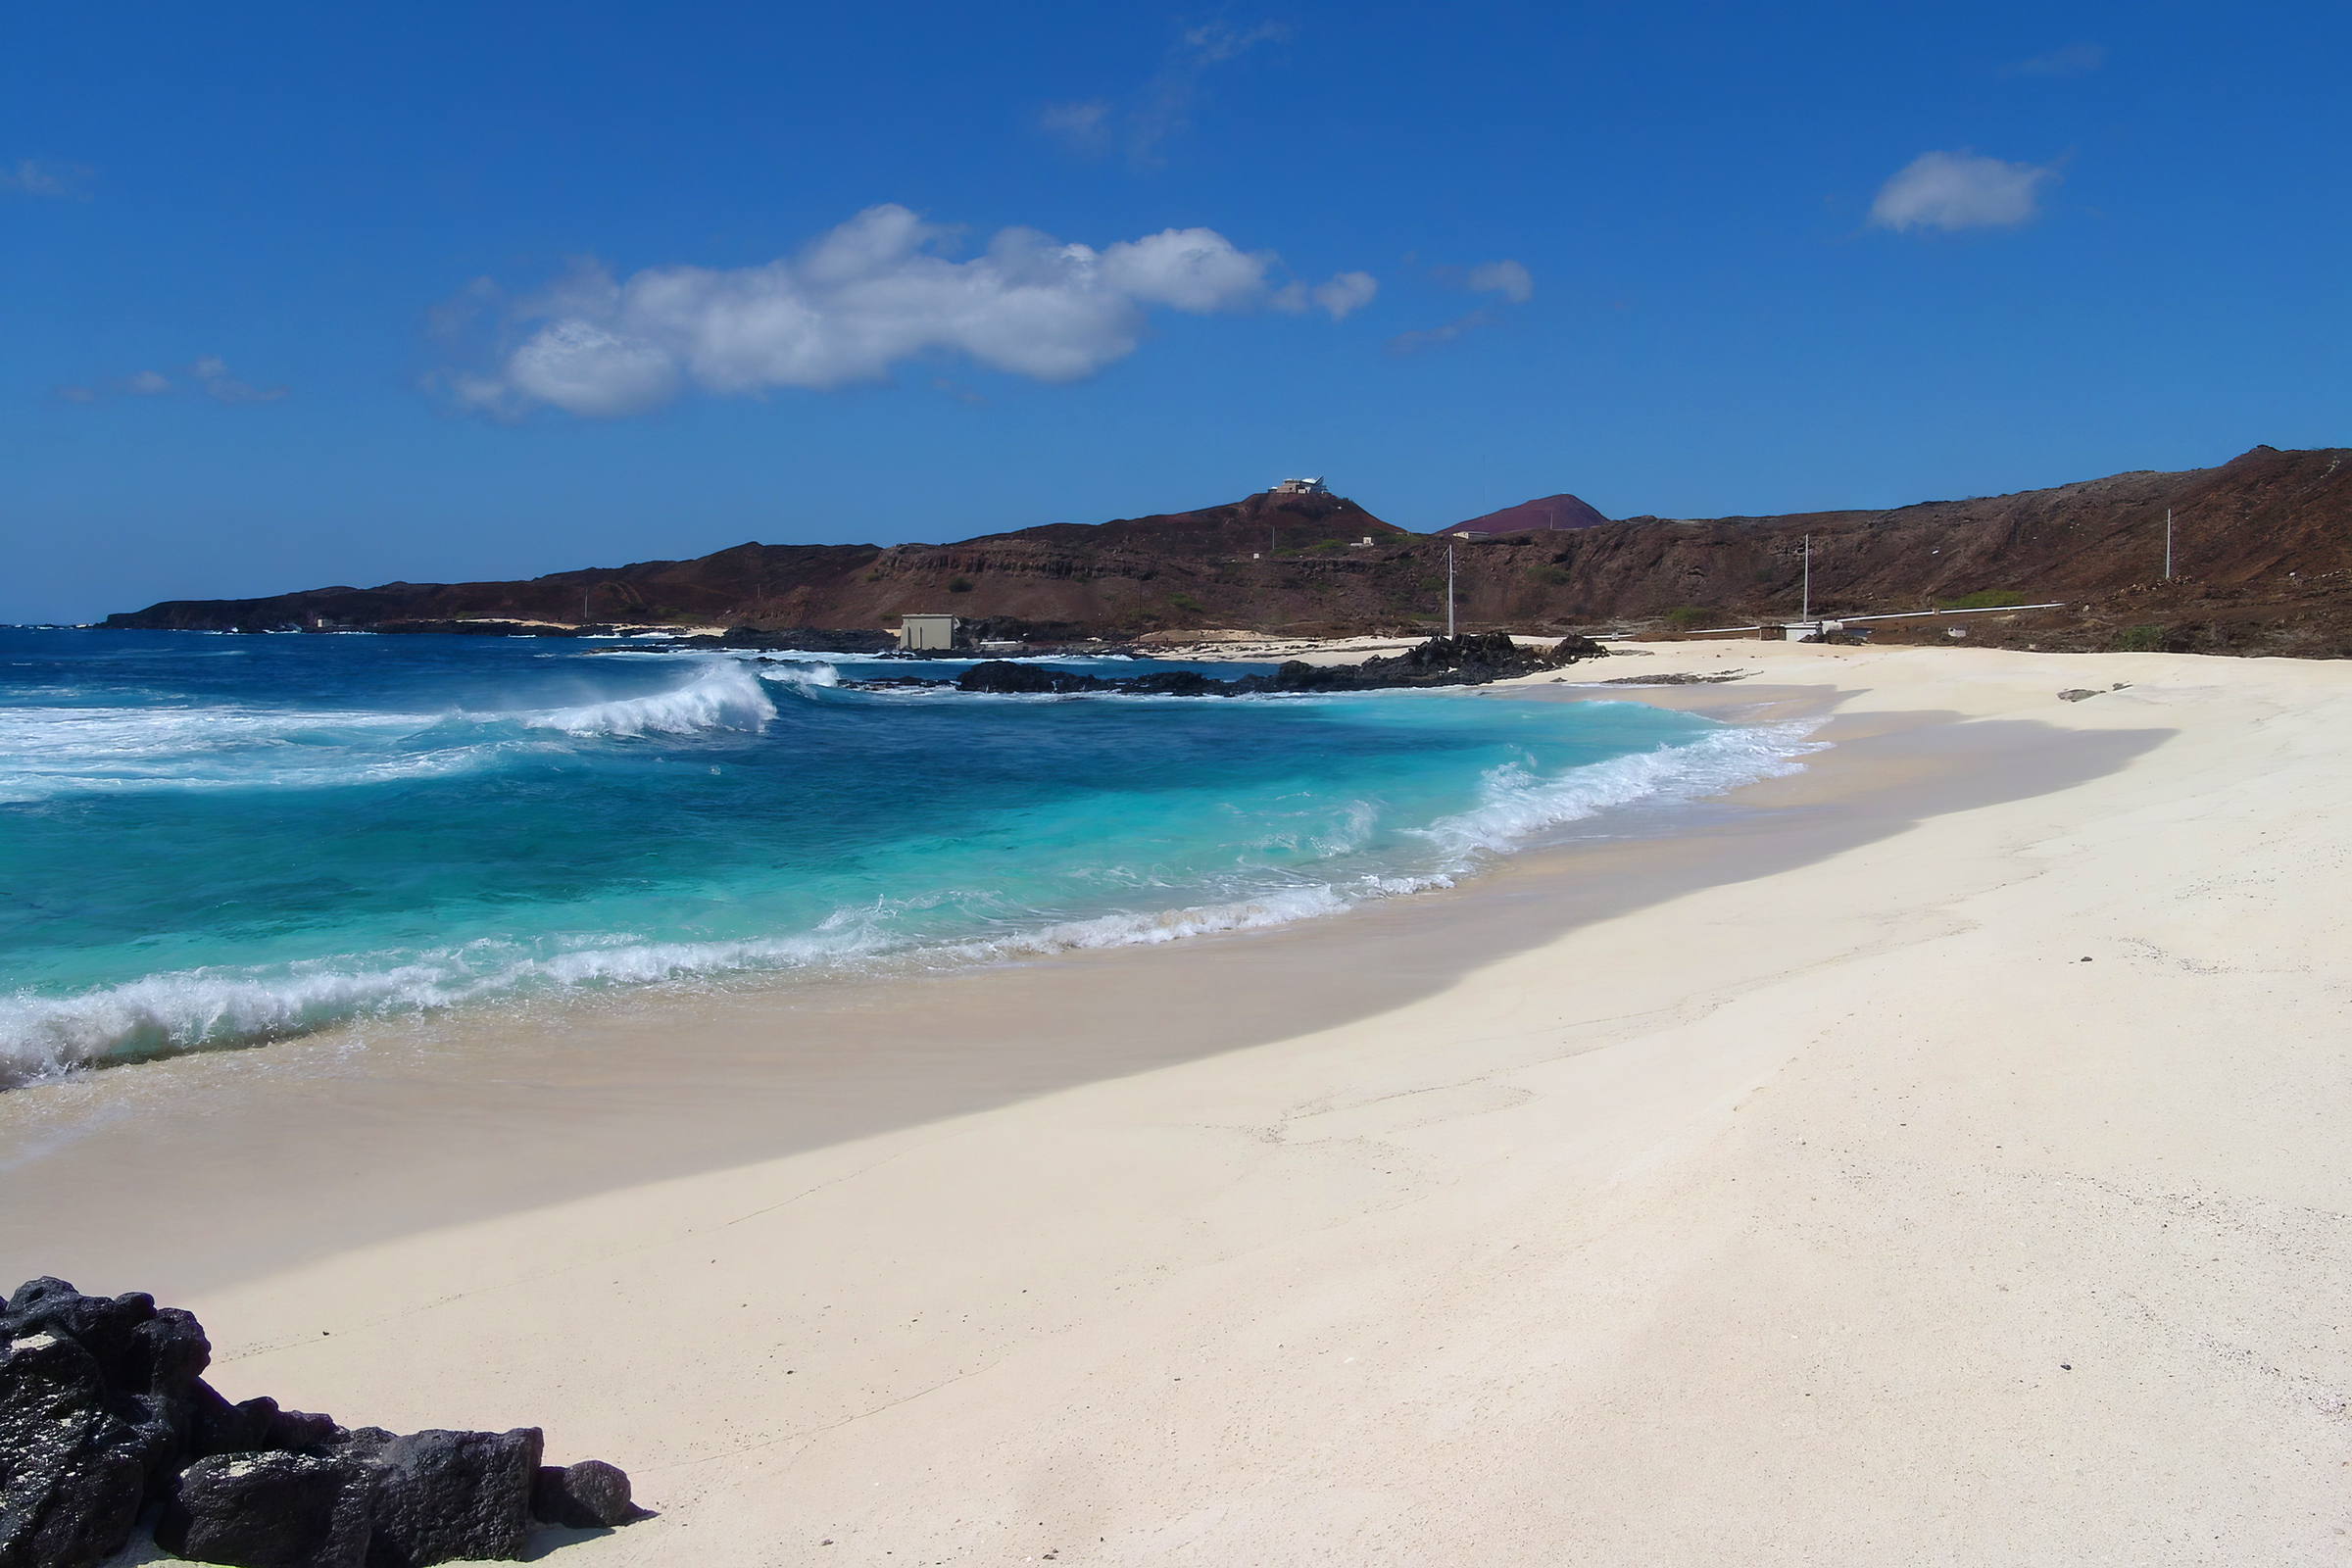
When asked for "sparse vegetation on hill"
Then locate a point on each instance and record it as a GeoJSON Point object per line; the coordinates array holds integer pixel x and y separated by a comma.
{"type": "Point", "coordinates": [2262, 545]}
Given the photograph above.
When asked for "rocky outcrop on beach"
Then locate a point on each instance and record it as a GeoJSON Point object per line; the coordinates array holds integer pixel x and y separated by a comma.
{"type": "Point", "coordinates": [104, 1418]}
{"type": "Point", "coordinates": [1467, 661]}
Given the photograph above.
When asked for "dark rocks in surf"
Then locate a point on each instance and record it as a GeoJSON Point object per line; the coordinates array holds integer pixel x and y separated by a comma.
{"type": "Point", "coordinates": [1005, 676]}
{"type": "Point", "coordinates": [803, 640]}
{"type": "Point", "coordinates": [1472, 659]}
{"type": "Point", "coordinates": [104, 1413]}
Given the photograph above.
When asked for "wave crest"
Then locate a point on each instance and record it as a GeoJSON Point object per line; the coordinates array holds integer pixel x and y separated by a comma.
{"type": "Point", "coordinates": [725, 696]}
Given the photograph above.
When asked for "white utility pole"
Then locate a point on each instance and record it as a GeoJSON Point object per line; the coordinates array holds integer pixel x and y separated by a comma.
{"type": "Point", "coordinates": [1806, 612]}
{"type": "Point", "coordinates": [2168, 544]}
{"type": "Point", "coordinates": [1449, 587]}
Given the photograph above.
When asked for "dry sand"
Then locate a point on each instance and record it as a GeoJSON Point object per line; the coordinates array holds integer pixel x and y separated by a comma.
{"type": "Point", "coordinates": [1838, 1213]}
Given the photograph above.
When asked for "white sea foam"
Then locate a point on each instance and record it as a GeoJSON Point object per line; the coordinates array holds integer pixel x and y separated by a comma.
{"type": "Point", "coordinates": [167, 1013]}
{"type": "Point", "coordinates": [811, 673]}
{"type": "Point", "coordinates": [1152, 927]}
{"type": "Point", "coordinates": [51, 751]}
{"type": "Point", "coordinates": [1518, 803]}
{"type": "Point", "coordinates": [723, 695]}
{"type": "Point", "coordinates": [54, 751]}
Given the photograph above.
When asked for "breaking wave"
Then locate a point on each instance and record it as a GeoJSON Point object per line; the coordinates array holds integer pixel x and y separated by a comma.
{"type": "Point", "coordinates": [50, 752]}
{"type": "Point", "coordinates": [1518, 803]}
{"type": "Point", "coordinates": [725, 696]}
{"type": "Point", "coordinates": [217, 1006]}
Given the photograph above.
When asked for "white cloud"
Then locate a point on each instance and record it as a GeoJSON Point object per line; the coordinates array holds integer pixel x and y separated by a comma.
{"type": "Point", "coordinates": [1162, 107]}
{"type": "Point", "coordinates": [1505, 278]}
{"type": "Point", "coordinates": [1344, 292]}
{"type": "Point", "coordinates": [211, 378]}
{"type": "Point", "coordinates": [41, 176]}
{"type": "Point", "coordinates": [213, 375]}
{"type": "Point", "coordinates": [1959, 190]}
{"type": "Point", "coordinates": [871, 294]}
{"type": "Point", "coordinates": [2071, 60]}
{"type": "Point", "coordinates": [1084, 127]}
{"type": "Point", "coordinates": [1339, 295]}
{"type": "Point", "coordinates": [1432, 337]}
{"type": "Point", "coordinates": [1212, 41]}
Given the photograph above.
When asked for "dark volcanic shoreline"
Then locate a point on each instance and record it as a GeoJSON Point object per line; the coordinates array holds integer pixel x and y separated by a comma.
{"type": "Point", "coordinates": [1468, 660]}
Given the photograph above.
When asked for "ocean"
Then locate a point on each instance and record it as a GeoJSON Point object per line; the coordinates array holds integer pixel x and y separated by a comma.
{"type": "Point", "coordinates": [212, 841]}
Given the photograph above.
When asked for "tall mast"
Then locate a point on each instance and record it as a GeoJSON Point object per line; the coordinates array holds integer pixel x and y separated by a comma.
{"type": "Point", "coordinates": [2168, 544]}
{"type": "Point", "coordinates": [1806, 614]}
{"type": "Point", "coordinates": [1449, 587]}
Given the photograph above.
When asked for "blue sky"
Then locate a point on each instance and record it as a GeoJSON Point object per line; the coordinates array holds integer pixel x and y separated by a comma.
{"type": "Point", "coordinates": [301, 295]}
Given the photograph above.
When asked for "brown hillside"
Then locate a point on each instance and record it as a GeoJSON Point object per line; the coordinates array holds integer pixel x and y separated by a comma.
{"type": "Point", "coordinates": [1560, 511]}
{"type": "Point", "coordinates": [2263, 548]}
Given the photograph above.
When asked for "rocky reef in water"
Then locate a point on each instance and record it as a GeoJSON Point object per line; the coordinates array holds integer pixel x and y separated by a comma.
{"type": "Point", "coordinates": [106, 1420]}
{"type": "Point", "coordinates": [1465, 661]}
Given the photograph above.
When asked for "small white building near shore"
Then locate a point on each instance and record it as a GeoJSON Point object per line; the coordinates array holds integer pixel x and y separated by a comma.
{"type": "Point", "coordinates": [926, 635]}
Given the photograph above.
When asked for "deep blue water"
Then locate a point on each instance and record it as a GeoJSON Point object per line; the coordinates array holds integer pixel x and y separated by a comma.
{"type": "Point", "coordinates": [207, 840]}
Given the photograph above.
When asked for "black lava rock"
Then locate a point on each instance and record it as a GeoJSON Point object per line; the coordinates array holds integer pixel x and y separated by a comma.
{"type": "Point", "coordinates": [256, 1426]}
{"type": "Point", "coordinates": [442, 1496]}
{"type": "Point", "coordinates": [1471, 660]}
{"type": "Point", "coordinates": [150, 1361]}
{"type": "Point", "coordinates": [809, 640]}
{"type": "Point", "coordinates": [269, 1510]}
{"type": "Point", "coordinates": [587, 1495]}
{"type": "Point", "coordinates": [72, 1471]}
{"type": "Point", "coordinates": [104, 1409]}
{"type": "Point", "coordinates": [1004, 675]}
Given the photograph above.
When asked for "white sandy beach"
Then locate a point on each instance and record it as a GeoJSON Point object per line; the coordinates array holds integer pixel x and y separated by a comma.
{"type": "Point", "coordinates": [1975, 1193]}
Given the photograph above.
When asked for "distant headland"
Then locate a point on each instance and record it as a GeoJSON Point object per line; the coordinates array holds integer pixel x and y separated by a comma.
{"type": "Point", "coordinates": [2261, 563]}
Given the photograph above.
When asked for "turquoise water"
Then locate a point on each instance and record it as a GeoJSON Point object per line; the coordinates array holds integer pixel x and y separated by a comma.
{"type": "Point", "coordinates": [210, 840]}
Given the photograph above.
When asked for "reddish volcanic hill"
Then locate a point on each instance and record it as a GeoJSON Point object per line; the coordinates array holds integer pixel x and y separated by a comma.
{"type": "Point", "coordinates": [1550, 513]}
{"type": "Point", "coordinates": [2263, 553]}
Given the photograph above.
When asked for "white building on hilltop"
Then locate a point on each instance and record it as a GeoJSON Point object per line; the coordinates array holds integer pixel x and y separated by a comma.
{"type": "Point", "coordinates": [1301, 487]}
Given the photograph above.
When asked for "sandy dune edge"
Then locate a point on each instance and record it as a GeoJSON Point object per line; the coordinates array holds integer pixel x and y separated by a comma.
{"type": "Point", "coordinates": [1843, 1216]}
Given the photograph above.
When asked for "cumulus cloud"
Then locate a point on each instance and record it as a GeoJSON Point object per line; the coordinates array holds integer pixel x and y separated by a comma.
{"type": "Point", "coordinates": [211, 375]}
{"type": "Point", "coordinates": [2071, 60]}
{"type": "Point", "coordinates": [42, 176]}
{"type": "Point", "coordinates": [869, 295]}
{"type": "Point", "coordinates": [1960, 190]}
{"type": "Point", "coordinates": [1505, 278]}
